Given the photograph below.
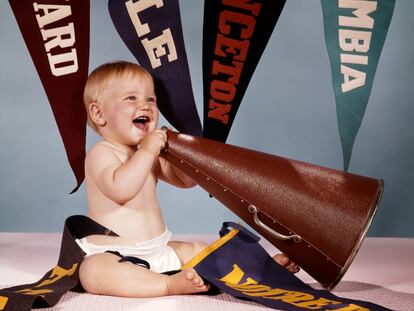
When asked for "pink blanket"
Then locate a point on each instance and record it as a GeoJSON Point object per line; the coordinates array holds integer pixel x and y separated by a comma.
{"type": "Point", "coordinates": [382, 272]}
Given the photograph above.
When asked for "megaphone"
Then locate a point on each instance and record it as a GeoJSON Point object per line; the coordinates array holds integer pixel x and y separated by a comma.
{"type": "Point", "coordinates": [316, 215]}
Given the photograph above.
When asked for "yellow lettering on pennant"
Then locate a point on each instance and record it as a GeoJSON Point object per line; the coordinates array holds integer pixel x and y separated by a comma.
{"type": "Point", "coordinates": [270, 292]}
{"type": "Point", "coordinates": [317, 304]}
{"type": "Point", "coordinates": [303, 300]}
{"type": "Point", "coordinates": [251, 288]}
{"type": "Point", "coordinates": [34, 292]}
{"type": "Point", "coordinates": [352, 307]}
{"type": "Point", "coordinates": [294, 297]}
{"type": "Point", "coordinates": [3, 302]}
{"type": "Point", "coordinates": [235, 276]}
{"type": "Point", "coordinates": [56, 274]}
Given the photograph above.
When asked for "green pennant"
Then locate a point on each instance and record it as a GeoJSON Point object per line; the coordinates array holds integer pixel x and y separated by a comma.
{"type": "Point", "coordinates": [355, 31]}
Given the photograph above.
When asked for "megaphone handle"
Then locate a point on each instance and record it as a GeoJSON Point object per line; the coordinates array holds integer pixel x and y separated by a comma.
{"type": "Point", "coordinates": [255, 211]}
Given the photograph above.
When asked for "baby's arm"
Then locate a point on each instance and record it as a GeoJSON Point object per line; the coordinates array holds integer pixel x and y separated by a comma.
{"type": "Point", "coordinates": [173, 175]}
{"type": "Point", "coordinates": [119, 181]}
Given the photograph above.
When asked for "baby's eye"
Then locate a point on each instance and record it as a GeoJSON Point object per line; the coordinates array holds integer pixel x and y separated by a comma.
{"type": "Point", "coordinates": [151, 100]}
{"type": "Point", "coordinates": [131, 98]}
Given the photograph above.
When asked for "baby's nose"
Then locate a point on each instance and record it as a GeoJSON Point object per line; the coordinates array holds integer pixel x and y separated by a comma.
{"type": "Point", "coordinates": [143, 106]}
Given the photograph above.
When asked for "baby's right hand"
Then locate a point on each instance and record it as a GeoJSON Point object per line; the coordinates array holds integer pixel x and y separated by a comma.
{"type": "Point", "coordinates": [154, 142]}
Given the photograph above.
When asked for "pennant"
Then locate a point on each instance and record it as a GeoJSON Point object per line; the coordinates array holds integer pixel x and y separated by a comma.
{"type": "Point", "coordinates": [56, 33]}
{"type": "Point", "coordinates": [235, 264]}
{"type": "Point", "coordinates": [355, 32]}
{"type": "Point", "coordinates": [62, 278]}
{"type": "Point", "coordinates": [238, 265]}
{"type": "Point", "coordinates": [235, 35]}
{"type": "Point", "coordinates": [152, 31]}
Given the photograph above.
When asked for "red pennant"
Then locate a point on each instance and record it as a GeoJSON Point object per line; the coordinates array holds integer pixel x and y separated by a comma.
{"type": "Point", "coordinates": [56, 33]}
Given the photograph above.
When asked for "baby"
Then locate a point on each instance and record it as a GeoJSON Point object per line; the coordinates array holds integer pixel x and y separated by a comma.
{"type": "Point", "coordinates": [122, 172]}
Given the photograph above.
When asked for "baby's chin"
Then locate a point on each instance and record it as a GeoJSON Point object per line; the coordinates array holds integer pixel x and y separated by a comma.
{"type": "Point", "coordinates": [142, 127]}
{"type": "Point", "coordinates": [152, 127]}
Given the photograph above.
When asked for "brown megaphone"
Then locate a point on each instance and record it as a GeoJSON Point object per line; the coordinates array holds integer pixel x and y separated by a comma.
{"type": "Point", "coordinates": [317, 216]}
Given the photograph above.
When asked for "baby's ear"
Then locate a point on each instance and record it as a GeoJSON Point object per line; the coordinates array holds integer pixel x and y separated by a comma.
{"type": "Point", "coordinates": [95, 111]}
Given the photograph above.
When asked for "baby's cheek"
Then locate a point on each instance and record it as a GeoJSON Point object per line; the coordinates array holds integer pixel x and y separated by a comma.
{"type": "Point", "coordinates": [130, 108]}
{"type": "Point", "coordinates": [156, 116]}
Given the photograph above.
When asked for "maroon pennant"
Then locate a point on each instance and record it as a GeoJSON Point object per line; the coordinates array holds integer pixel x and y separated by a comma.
{"type": "Point", "coordinates": [56, 33]}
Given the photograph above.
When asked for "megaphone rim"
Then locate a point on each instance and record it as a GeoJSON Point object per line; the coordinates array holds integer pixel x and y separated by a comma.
{"type": "Point", "coordinates": [351, 258]}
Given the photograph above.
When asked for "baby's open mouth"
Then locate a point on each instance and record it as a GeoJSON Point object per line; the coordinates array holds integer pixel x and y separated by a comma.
{"type": "Point", "coordinates": [141, 122]}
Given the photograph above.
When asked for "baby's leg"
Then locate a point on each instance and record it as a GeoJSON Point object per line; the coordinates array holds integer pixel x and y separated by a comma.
{"type": "Point", "coordinates": [187, 250]}
{"type": "Point", "coordinates": [104, 274]}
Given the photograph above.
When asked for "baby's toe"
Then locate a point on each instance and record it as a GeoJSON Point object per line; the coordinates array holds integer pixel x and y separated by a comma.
{"type": "Point", "coordinates": [197, 281]}
{"type": "Point", "coordinates": [189, 274]}
{"type": "Point", "coordinates": [282, 260]}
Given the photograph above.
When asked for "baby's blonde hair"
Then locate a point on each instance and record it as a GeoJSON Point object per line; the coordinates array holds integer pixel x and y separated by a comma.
{"type": "Point", "coordinates": [99, 78]}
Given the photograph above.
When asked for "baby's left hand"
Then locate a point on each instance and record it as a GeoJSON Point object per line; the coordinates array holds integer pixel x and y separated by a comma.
{"type": "Point", "coordinates": [154, 142]}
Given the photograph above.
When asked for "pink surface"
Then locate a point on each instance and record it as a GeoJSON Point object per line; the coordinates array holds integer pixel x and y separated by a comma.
{"type": "Point", "coordinates": [382, 272]}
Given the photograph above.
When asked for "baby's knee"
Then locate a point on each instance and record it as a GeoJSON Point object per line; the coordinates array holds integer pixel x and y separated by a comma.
{"type": "Point", "coordinates": [198, 247]}
{"type": "Point", "coordinates": [91, 271]}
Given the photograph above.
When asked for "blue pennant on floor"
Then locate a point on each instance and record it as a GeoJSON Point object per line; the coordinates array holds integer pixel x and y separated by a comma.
{"type": "Point", "coordinates": [238, 265]}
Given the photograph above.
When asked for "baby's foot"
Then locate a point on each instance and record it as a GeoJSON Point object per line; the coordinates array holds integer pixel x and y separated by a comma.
{"type": "Point", "coordinates": [285, 261]}
{"type": "Point", "coordinates": [186, 282]}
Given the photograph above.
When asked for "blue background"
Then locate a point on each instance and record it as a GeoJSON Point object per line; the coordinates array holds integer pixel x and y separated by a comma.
{"type": "Point", "coordinates": [288, 110]}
